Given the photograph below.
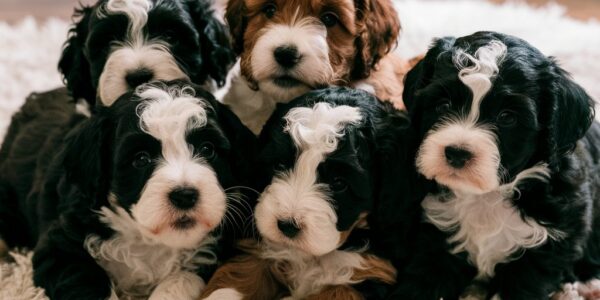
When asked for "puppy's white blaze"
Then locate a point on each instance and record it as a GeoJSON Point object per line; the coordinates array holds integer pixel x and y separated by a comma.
{"type": "Point", "coordinates": [309, 36]}
{"type": "Point", "coordinates": [138, 261]}
{"type": "Point", "coordinates": [137, 13]}
{"type": "Point", "coordinates": [308, 274]}
{"type": "Point", "coordinates": [488, 226]}
{"type": "Point", "coordinates": [296, 195]}
{"type": "Point", "coordinates": [480, 175]}
{"type": "Point", "coordinates": [478, 77]}
{"type": "Point", "coordinates": [482, 172]}
{"type": "Point", "coordinates": [168, 115]}
{"type": "Point", "coordinates": [128, 57]}
{"type": "Point", "coordinates": [228, 293]}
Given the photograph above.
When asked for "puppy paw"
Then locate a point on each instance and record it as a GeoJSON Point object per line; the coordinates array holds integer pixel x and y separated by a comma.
{"type": "Point", "coordinates": [568, 292]}
{"type": "Point", "coordinates": [182, 285]}
{"type": "Point", "coordinates": [228, 293]}
{"type": "Point", "coordinates": [590, 290]}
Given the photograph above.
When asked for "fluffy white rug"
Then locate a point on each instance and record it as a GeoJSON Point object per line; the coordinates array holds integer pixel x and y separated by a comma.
{"type": "Point", "coordinates": [29, 52]}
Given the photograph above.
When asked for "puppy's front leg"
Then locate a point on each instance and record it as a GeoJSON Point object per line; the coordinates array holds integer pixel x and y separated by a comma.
{"type": "Point", "coordinates": [535, 275]}
{"type": "Point", "coordinates": [243, 277]}
{"type": "Point", "coordinates": [182, 285]}
{"type": "Point", "coordinates": [67, 272]}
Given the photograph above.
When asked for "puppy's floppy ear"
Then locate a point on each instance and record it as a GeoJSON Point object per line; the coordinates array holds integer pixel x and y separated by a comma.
{"type": "Point", "coordinates": [237, 21]}
{"type": "Point", "coordinates": [378, 34]}
{"type": "Point", "coordinates": [421, 74]}
{"type": "Point", "coordinates": [570, 113]}
{"type": "Point", "coordinates": [215, 44]}
{"type": "Point", "coordinates": [85, 156]}
{"type": "Point", "coordinates": [73, 63]}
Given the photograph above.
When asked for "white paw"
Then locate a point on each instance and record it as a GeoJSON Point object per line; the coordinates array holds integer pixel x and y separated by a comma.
{"type": "Point", "coordinates": [222, 294]}
{"type": "Point", "coordinates": [182, 285]}
{"type": "Point", "coordinates": [496, 297]}
{"type": "Point", "coordinates": [590, 290]}
{"type": "Point", "coordinates": [567, 292]}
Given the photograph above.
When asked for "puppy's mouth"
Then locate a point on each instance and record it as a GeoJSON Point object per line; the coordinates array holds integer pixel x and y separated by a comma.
{"type": "Point", "coordinates": [287, 81]}
{"type": "Point", "coordinates": [184, 223]}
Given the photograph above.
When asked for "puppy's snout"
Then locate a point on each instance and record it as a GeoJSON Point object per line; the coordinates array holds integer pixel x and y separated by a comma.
{"type": "Point", "coordinates": [457, 157]}
{"type": "Point", "coordinates": [289, 228]}
{"type": "Point", "coordinates": [287, 56]}
{"type": "Point", "coordinates": [184, 197]}
{"type": "Point", "coordinates": [138, 77]}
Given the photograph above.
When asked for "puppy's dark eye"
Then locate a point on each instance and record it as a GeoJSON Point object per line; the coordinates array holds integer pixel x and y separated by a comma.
{"type": "Point", "coordinates": [443, 107]}
{"type": "Point", "coordinates": [141, 160]}
{"type": "Point", "coordinates": [506, 118]}
{"type": "Point", "coordinates": [269, 10]}
{"type": "Point", "coordinates": [338, 185]}
{"type": "Point", "coordinates": [207, 151]}
{"type": "Point", "coordinates": [329, 19]}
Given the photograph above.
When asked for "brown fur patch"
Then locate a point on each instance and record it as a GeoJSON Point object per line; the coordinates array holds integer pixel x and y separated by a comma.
{"type": "Point", "coordinates": [366, 32]}
{"type": "Point", "coordinates": [375, 268]}
{"type": "Point", "coordinates": [249, 275]}
{"type": "Point", "coordinates": [360, 223]}
{"type": "Point", "coordinates": [3, 250]}
{"type": "Point", "coordinates": [388, 79]}
{"type": "Point", "coordinates": [337, 292]}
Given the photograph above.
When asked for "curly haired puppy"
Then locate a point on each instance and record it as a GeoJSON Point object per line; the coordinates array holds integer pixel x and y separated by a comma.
{"type": "Point", "coordinates": [116, 45]}
{"type": "Point", "coordinates": [131, 203]}
{"type": "Point", "coordinates": [509, 143]}
{"type": "Point", "coordinates": [288, 47]}
{"type": "Point", "coordinates": [330, 218]}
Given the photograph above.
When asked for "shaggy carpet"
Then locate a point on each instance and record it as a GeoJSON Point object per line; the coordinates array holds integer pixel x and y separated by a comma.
{"type": "Point", "coordinates": [29, 52]}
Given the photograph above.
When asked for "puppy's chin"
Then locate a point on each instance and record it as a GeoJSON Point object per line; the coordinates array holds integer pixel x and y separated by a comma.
{"type": "Point", "coordinates": [469, 183]}
{"type": "Point", "coordinates": [284, 90]}
{"type": "Point", "coordinates": [182, 233]}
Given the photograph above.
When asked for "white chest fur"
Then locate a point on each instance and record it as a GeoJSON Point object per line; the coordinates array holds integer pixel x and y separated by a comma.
{"type": "Point", "coordinates": [139, 267]}
{"type": "Point", "coordinates": [488, 227]}
{"type": "Point", "coordinates": [309, 274]}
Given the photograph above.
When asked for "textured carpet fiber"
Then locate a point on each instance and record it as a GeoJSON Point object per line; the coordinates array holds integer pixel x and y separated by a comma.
{"type": "Point", "coordinates": [29, 53]}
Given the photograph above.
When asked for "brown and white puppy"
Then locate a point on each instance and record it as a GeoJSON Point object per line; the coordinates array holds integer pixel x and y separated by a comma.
{"type": "Point", "coordinates": [288, 47]}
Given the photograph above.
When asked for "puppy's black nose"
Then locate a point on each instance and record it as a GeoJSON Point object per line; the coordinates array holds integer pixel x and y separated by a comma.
{"type": "Point", "coordinates": [287, 56]}
{"type": "Point", "coordinates": [184, 197]}
{"type": "Point", "coordinates": [138, 76]}
{"type": "Point", "coordinates": [288, 228]}
{"type": "Point", "coordinates": [457, 157]}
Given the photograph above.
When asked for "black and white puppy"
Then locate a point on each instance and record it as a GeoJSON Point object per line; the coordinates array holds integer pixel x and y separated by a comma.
{"type": "Point", "coordinates": [515, 207]}
{"type": "Point", "coordinates": [129, 204]}
{"type": "Point", "coordinates": [117, 45]}
{"type": "Point", "coordinates": [330, 215]}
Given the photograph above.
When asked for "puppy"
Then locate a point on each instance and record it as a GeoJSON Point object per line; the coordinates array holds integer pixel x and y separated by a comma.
{"type": "Point", "coordinates": [130, 203]}
{"type": "Point", "coordinates": [328, 219]}
{"type": "Point", "coordinates": [507, 144]}
{"type": "Point", "coordinates": [288, 47]}
{"type": "Point", "coordinates": [116, 45]}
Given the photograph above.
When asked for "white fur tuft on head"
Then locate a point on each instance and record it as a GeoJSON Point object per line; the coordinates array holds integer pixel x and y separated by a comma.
{"type": "Point", "coordinates": [167, 107]}
{"type": "Point", "coordinates": [137, 13]}
{"type": "Point", "coordinates": [318, 128]}
{"type": "Point", "coordinates": [477, 71]}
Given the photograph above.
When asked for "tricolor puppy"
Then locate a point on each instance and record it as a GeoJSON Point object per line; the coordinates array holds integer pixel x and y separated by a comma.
{"type": "Point", "coordinates": [288, 47]}
{"type": "Point", "coordinates": [116, 45]}
{"type": "Point", "coordinates": [129, 205]}
{"type": "Point", "coordinates": [329, 217]}
{"type": "Point", "coordinates": [506, 139]}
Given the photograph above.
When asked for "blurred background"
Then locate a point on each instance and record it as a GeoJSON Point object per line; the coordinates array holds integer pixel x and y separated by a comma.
{"type": "Point", "coordinates": [14, 10]}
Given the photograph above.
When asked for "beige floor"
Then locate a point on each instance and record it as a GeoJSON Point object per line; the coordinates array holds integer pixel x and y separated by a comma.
{"type": "Point", "coordinates": [13, 10]}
